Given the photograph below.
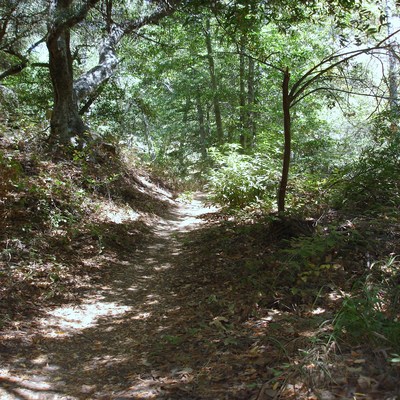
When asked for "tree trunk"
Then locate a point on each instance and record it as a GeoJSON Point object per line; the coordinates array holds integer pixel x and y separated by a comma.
{"type": "Point", "coordinates": [87, 83]}
{"type": "Point", "coordinates": [65, 121]}
{"type": "Point", "coordinates": [393, 83]}
{"type": "Point", "coordinates": [242, 98]}
{"type": "Point", "coordinates": [202, 126]}
{"type": "Point", "coordinates": [286, 102]}
{"type": "Point", "coordinates": [251, 100]}
{"type": "Point", "coordinates": [214, 85]}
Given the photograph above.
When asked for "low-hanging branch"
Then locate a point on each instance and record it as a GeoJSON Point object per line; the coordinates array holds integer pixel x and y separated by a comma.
{"type": "Point", "coordinates": [24, 60]}
{"type": "Point", "coordinates": [333, 61]}
{"type": "Point", "coordinates": [334, 89]}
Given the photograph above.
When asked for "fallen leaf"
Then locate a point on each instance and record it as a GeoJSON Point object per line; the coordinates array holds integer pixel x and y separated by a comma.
{"type": "Point", "coordinates": [353, 370]}
{"type": "Point", "coordinates": [181, 372]}
{"type": "Point", "coordinates": [218, 323]}
{"type": "Point", "coordinates": [365, 382]}
{"type": "Point", "coordinates": [359, 361]}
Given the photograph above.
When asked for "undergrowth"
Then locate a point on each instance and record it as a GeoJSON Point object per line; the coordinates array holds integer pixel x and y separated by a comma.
{"type": "Point", "coordinates": [370, 313]}
{"type": "Point", "coordinates": [56, 217]}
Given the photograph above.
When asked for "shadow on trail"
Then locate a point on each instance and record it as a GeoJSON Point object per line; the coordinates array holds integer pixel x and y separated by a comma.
{"type": "Point", "coordinates": [150, 330]}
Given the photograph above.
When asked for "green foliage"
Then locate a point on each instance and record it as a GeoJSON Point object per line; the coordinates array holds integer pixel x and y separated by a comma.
{"type": "Point", "coordinates": [312, 256]}
{"type": "Point", "coordinates": [370, 313]}
{"type": "Point", "coordinates": [307, 194]}
{"type": "Point", "coordinates": [11, 174]}
{"type": "Point", "coordinates": [55, 199]}
{"type": "Point", "coordinates": [239, 180]}
{"type": "Point", "coordinates": [8, 100]}
{"type": "Point", "coordinates": [374, 180]}
{"type": "Point", "coordinates": [33, 89]}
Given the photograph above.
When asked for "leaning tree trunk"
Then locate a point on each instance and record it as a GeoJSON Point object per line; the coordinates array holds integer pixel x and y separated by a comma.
{"type": "Point", "coordinates": [286, 101]}
{"type": "Point", "coordinates": [65, 121]}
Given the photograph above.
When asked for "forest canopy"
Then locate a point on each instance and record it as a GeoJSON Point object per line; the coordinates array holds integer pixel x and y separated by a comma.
{"type": "Point", "coordinates": [197, 86]}
{"type": "Point", "coordinates": [199, 199]}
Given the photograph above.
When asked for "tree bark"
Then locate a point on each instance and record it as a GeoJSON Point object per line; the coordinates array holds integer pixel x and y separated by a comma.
{"type": "Point", "coordinates": [242, 97]}
{"type": "Point", "coordinates": [251, 100]}
{"type": "Point", "coordinates": [214, 84]}
{"type": "Point", "coordinates": [393, 82]}
{"type": "Point", "coordinates": [65, 122]}
{"type": "Point", "coordinates": [202, 126]}
{"type": "Point", "coordinates": [286, 103]}
{"type": "Point", "coordinates": [87, 83]}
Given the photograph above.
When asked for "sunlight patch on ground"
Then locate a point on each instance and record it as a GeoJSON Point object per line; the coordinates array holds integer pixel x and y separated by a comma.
{"type": "Point", "coordinates": [103, 361]}
{"type": "Point", "coordinates": [68, 319]}
{"type": "Point", "coordinates": [142, 390]}
{"type": "Point", "coordinates": [111, 212]}
{"type": "Point", "coordinates": [187, 217]}
{"type": "Point", "coordinates": [34, 387]}
{"type": "Point", "coordinates": [133, 288]}
{"type": "Point", "coordinates": [158, 384]}
{"type": "Point", "coordinates": [162, 193]}
{"type": "Point", "coordinates": [335, 295]}
{"type": "Point", "coordinates": [188, 222]}
{"type": "Point", "coordinates": [193, 210]}
{"type": "Point", "coordinates": [143, 315]}
{"type": "Point", "coordinates": [318, 311]}
{"type": "Point", "coordinates": [162, 267]}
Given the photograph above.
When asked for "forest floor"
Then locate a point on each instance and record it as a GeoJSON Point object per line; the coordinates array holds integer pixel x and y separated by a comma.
{"type": "Point", "coordinates": [165, 299]}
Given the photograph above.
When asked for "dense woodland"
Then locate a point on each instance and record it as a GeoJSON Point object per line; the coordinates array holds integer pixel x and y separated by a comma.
{"type": "Point", "coordinates": [121, 121]}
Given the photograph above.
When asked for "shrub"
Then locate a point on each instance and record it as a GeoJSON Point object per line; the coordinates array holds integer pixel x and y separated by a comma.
{"type": "Point", "coordinates": [10, 173]}
{"type": "Point", "coordinates": [240, 180]}
{"type": "Point", "coordinates": [370, 314]}
{"type": "Point", "coordinates": [373, 180]}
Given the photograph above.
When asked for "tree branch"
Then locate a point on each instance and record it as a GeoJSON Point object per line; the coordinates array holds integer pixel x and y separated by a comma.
{"type": "Point", "coordinates": [68, 21]}
{"type": "Point", "coordinates": [332, 89]}
{"type": "Point", "coordinates": [13, 70]}
{"type": "Point", "coordinates": [302, 84]}
{"type": "Point", "coordinates": [167, 7]}
{"type": "Point", "coordinates": [87, 83]}
{"type": "Point", "coordinates": [17, 68]}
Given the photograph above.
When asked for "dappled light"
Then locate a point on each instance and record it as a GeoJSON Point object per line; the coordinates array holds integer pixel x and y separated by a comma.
{"type": "Point", "coordinates": [185, 315]}
{"type": "Point", "coordinates": [199, 200]}
{"type": "Point", "coordinates": [112, 213]}
{"type": "Point", "coordinates": [136, 293]}
{"type": "Point", "coordinates": [66, 320]}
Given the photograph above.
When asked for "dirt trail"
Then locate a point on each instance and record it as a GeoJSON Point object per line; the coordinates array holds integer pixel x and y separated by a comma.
{"type": "Point", "coordinates": [134, 336]}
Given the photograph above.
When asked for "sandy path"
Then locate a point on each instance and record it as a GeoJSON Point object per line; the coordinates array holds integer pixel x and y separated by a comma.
{"type": "Point", "coordinates": [123, 340]}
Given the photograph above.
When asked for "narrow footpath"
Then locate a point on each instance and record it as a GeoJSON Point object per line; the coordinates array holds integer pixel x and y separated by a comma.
{"type": "Point", "coordinates": [147, 332]}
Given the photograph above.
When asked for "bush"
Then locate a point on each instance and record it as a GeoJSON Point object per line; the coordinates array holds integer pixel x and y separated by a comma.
{"type": "Point", "coordinates": [8, 100]}
{"type": "Point", "coordinates": [11, 174]}
{"type": "Point", "coordinates": [239, 180]}
{"type": "Point", "coordinates": [373, 180]}
{"type": "Point", "coordinates": [370, 314]}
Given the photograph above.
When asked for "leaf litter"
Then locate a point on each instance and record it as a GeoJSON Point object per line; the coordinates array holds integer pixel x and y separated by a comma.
{"type": "Point", "coordinates": [186, 304]}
